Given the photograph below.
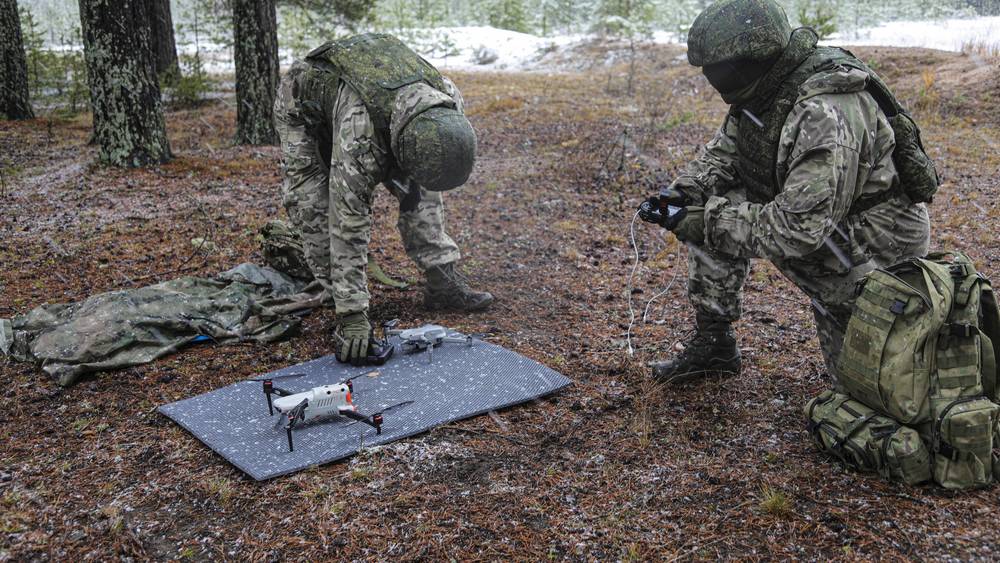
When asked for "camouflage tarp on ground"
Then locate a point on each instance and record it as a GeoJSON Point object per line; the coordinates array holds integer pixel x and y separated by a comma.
{"type": "Point", "coordinates": [136, 326]}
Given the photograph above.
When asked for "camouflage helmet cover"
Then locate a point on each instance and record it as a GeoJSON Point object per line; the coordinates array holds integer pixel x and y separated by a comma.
{"type": "Point", "coordinates": [731, 30]}
{"type": "Point", "coordinates": [433, 141]}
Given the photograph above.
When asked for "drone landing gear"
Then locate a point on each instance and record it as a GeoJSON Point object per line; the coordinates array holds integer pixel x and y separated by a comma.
{"type": "Point", "coordinates": [298, 413]}
{"type": "Point", "coordinates": [270, 389]}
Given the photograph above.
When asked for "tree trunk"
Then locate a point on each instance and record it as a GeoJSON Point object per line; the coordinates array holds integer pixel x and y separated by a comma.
{"type": "Point", "coordinates": [162, 38]}
{"type": "Point", "coordinates": [124, 92]}
{"type": "Point", "coordinates": [255, 34]}
{"type": "Point", "coordinates": [14, 101]}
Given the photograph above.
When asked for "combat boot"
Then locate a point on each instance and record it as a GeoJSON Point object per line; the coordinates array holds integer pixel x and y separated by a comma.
{"type": "Point", "coordinates": [449, 290]}
{"type": "Point", "coordinates": [712, 351]}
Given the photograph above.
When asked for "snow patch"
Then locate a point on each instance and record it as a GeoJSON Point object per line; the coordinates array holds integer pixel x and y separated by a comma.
{"type": "Point", "coordinates": [946, 35]}
{"type": "Point", "coordinates": [489, 48]}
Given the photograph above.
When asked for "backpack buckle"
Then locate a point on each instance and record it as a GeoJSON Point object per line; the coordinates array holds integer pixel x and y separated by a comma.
{"type": "Point", "coordinates": [947, 450]}
{"type": "Point", "coordinates": [958, 271]}
{"type": "Point", "coordinates": [960, 330]}
{"type": "Point", "coordinates": [898, 307]}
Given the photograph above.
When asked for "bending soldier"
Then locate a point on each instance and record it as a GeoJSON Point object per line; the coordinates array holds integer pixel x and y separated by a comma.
{"type": "Point", "coordinates": [801, 173]}
{"type": "Point", "coordinates": [354, 114]}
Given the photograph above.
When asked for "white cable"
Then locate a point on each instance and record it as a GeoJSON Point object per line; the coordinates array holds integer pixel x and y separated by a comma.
{"type": "Point", "coordinates": [645, 312]}
{"type": "Point", "coordinates": [631, 277]}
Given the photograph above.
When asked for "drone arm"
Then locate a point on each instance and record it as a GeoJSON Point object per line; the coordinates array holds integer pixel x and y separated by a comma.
{"type": "Point", "coordinates": [375, 421]}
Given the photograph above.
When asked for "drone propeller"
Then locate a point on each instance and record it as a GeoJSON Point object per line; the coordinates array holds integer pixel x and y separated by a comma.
{"type": "Point", "coordinates": [396, 406]}
{"type": "Point", "coordinates": [349, 381]}
{"type": "Point", "coordinates": [376, 418]}
{"type": "Point", "coordinates": [279, 377]}
{"type": "Point", "coordinates": [389, 328]}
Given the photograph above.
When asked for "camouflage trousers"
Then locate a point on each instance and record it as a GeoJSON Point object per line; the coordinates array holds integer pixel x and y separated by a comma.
{"type": "Point", "coordinates": [307, 197]}
{"type": "Point", "coordinates": [886, 234]}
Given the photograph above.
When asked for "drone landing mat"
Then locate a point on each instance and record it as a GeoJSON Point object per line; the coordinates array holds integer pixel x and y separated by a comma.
{"type": "Point", "coordinates": [462, 381]}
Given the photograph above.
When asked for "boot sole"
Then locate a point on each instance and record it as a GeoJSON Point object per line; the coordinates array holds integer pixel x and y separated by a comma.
{"type": "Point", "coordinates": [719, 371]}
{"type": "Point", "coordinates": [472, 309]}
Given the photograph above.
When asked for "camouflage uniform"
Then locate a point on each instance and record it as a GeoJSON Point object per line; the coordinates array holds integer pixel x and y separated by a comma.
{"type": "Point", "coordinates": [330, 200]}
{"type": "Point", "coordinates": [835, 148]}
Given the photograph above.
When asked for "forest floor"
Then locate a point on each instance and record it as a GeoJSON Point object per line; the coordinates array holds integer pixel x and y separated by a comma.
{"type": "Point", "coordinates": [610, 468]}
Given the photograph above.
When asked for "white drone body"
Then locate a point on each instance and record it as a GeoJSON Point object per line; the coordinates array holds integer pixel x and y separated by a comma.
{"type": "Point", "coordinates": [430, 334]}
{"type": "Point", "coordinates": [323, 401]}
{"type": "Point", "coordinates": [427, 337]}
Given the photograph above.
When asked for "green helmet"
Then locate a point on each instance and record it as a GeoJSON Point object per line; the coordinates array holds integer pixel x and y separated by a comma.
{"type": "Point", "coordinates": [437, 148]}
{"type": "Point", "coordinates": [738, 30]}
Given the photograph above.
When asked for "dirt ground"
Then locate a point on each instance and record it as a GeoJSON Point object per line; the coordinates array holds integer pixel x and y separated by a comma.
{"type": "Point", "coordinates": [611, 468]}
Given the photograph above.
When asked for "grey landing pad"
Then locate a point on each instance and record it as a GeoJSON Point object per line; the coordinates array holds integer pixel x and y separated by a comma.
{"type": "Point", "coordinates": [461, 382]}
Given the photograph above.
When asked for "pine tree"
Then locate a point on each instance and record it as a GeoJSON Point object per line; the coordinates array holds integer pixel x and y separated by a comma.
{"type": "Point", "coordinates": [125, 96]}
{"type": "Point", "coordinates": [162, 38]}
{"type": "Point", "coordinates": [628, 18]}
{"type": "Point", "coordinates": [509, 14]}
{"type": "Point", "coordinates": [14, 102]}
{"type": "Point", "coordinates": [255, 35]}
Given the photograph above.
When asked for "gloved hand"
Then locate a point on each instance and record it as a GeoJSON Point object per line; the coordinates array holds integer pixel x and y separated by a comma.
{"type": "Point", "coordinates": [688, 225]}
{"type": "Point", "coordinates": [650, 211]}
{"type": "Point", "coordinates": [670, 195]}
{"type": "Point", "coordinates": [354, 332]}
{"type": "Point", "coordinates": [655, 209]}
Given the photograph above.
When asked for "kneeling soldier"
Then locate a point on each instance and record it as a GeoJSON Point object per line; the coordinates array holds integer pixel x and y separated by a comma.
{"type": "Point", "coordinates": [801, 173]}
{"type": "Point", "coordinates": [358, 113]}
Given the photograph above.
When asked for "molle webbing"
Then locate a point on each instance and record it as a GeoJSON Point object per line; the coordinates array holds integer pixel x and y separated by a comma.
{"type": "Point", "coordinates": [758, 141]}
{"type": "Point", "coordinates": [376, 65]}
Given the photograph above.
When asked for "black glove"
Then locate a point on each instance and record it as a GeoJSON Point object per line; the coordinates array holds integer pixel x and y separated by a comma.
{"type": "Point", "coordinates": [688, 225]}
{"type": "Point", "coordinates": [670, 195]}
{"type": "Point", "coordinates": [660, 208]}
{"type": "Point", "coordinates": [354, 333]}
{"type": "Point", "coordinates": [650, 212]}
{"type": "Point", "coordinates": [653, 210]}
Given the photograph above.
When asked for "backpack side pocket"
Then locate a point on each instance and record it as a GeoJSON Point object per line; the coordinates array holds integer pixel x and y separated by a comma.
{"type": "Point", "coordinates": [963, 443]}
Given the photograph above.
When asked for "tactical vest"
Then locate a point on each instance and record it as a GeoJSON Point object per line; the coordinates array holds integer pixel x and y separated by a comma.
{"type": "Point", "coordinates": [759, 136]}
{"type": "Point", "coordinates": [376, 65]}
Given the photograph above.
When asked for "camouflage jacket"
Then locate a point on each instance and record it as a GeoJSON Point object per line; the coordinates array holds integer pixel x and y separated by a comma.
{"type": "Point", "coordinates": [836, 148]}
{"type": "Point", "coordinates": [360, 161]}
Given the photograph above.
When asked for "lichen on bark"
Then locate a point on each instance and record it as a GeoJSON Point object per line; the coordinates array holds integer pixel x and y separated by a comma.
{"type": "Point", "coordinates": [125, 95]}
{"type": "Point", "coordinates": [14, 101]}
{"type": "Point", "coordinates": [255, 34]}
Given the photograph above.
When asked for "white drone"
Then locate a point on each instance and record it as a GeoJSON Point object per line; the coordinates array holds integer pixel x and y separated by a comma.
{"type": "Point", "coordinates": [426, 337]}
{"type": "Point", "coordinates": [318, 402]}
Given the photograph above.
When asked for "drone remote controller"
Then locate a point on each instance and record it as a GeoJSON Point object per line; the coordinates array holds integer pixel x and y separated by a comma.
{"type": "Point", "coordinates": [655, 214]}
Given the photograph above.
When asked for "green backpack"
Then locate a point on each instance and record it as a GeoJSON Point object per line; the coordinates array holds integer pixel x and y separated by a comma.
{"type": "Point", "coordinates": [865, 440]}
{"type": "Point", "coordinates": [919, 348]}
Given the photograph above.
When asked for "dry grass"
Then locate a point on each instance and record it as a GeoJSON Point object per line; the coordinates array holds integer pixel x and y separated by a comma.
{"type": "Point", "coordinates": [988, 48]}
{"type": "Point", "coordinates": [610, 469]}
{"type": "Point", "coordinates": [774, 502]}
